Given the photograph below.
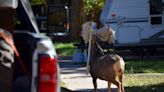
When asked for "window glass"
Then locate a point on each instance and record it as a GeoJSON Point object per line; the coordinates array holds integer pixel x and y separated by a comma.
{"type": "Point", "coordinates": [155, 7]}
{"type": "Point", "coordinates": [57, 18]}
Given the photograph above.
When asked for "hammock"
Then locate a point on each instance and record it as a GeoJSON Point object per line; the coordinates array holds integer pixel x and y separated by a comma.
{"type": "Point", "coordinates": [105, 33]}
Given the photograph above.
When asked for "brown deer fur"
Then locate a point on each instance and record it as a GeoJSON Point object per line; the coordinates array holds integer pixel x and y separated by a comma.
{"type": "Point", "coordinates": [106, 67]}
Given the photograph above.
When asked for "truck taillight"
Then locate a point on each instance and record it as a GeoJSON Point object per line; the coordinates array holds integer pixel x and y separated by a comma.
{"type": "Point", "coordinates": [47, 74]}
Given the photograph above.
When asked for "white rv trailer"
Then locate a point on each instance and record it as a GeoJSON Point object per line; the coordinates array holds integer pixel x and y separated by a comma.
{"type": "Point", "coordinates": [137, 23]}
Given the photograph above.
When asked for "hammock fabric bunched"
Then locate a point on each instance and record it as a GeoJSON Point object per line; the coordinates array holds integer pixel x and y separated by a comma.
{"type": "Point", "coordinates": [104, 34]}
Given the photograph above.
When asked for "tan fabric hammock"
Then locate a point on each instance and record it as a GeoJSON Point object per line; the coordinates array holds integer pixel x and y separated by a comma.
{"type": "Point", "coordinates": [104, 34]}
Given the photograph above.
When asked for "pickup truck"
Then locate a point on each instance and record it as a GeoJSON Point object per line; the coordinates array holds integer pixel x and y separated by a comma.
{"type": "Point", "coordinates": [37, 53]}
{"type": "Point", "coordinates": [40, 59]}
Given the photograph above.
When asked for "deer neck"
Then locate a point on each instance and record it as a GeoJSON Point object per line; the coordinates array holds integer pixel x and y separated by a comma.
{"type": "Point", "coordinates": [95, 53]}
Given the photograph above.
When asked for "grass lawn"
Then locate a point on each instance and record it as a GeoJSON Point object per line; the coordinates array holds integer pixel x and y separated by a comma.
{"type": "Point", "coordinates": [152, 82]}
{"type": "Point", "coordinates": [144, 83]}
{"type": "Point", "coordinates": [134, 82]}
{"type": "Point", "coordinates": [144, 66]}
{"type": "Point", "coordinates": [64, 49]}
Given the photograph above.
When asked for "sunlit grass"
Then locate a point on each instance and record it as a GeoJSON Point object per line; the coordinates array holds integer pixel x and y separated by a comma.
{"type": "Point", "coordinates": [64, 49]}
{"type": "Point", "coordinates": [144, 66]}
{"type": "Point", "coordinates": [143, 80]}
{"type": "Point", "coordinates": [144, 83]}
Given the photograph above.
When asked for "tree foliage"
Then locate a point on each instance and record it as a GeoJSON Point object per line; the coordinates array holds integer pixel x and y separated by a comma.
{"type": "Point", "coordinates": [93, 6]}
{"type": "Point", "coordinates": [38, 2]}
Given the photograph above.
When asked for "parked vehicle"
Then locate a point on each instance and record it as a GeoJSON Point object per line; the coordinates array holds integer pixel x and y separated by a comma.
{"type": "Point", "coordinates": [56, 23]}
{"type": "Point", "coordinates": [137, 23]}
{"type": "Point", "coordinates": [37, 53]}
{"type": "Point", "coordinates": [58, 20]}
{"type": "Point", "coordinates": [40, 60]}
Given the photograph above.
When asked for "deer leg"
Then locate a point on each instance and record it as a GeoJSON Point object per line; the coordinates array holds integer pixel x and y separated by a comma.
{"type": "Point", "coordinates": [121, 80]}
{"type": "Point", "coordinates": [119, 87]}
{"type": "Point", "coordinates": [109, 85]}
{"type": "Point", "coordinates": [118, 84]}
{"type": "Point", "coordinates": [95, 84]}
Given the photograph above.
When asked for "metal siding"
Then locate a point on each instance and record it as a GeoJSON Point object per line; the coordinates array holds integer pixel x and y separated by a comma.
{"type": "Point", "coordinates": [128, 34]}
{"type": "Point", "coordinates": [129, 8]}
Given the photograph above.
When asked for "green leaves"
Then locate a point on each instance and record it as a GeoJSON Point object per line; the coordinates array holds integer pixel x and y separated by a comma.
{"type": "Point", "coordinates": [93, 6]}
{"type": "Point", "coordinates": [38, 2]}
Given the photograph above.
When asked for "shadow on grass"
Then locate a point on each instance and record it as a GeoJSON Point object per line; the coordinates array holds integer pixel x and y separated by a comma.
{"type": "Point", "coordinates": [66, 90]}
{"type": "Point", "coordinates": [151, 88]}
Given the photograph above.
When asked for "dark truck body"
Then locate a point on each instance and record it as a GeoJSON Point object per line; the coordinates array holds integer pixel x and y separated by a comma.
{"type": "Point", "coordinates": [37, 53]}
{"type": "Point", "coordinates": [30, 52]}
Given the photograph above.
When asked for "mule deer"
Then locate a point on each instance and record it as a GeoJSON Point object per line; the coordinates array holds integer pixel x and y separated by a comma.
{"type": "Point", "coordinates": [106, 67]}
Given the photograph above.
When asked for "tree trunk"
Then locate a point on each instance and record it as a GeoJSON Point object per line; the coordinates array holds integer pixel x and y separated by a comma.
{"type": "Point", "coordinates": [76, 19]}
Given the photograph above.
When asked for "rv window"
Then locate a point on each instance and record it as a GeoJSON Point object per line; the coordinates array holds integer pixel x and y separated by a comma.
{"type": "Point", "coordinates": [156, 20]}
{"type": "Point", "coordinates": [155, 7]}
{"type": "Point", "coordinates": [162, 6]}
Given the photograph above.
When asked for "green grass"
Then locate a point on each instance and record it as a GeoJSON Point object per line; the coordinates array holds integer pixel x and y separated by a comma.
{"type": "Point", "coordinates": [144, 66]}
{"type": "Point", "coordinates": [144, 83]}
{"type": "Point", "coordinates": [150, 88]}
{"type": "Point", "coordinates": [64, 49]}
{"type": "Point", "coordinates": [139, 80]}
